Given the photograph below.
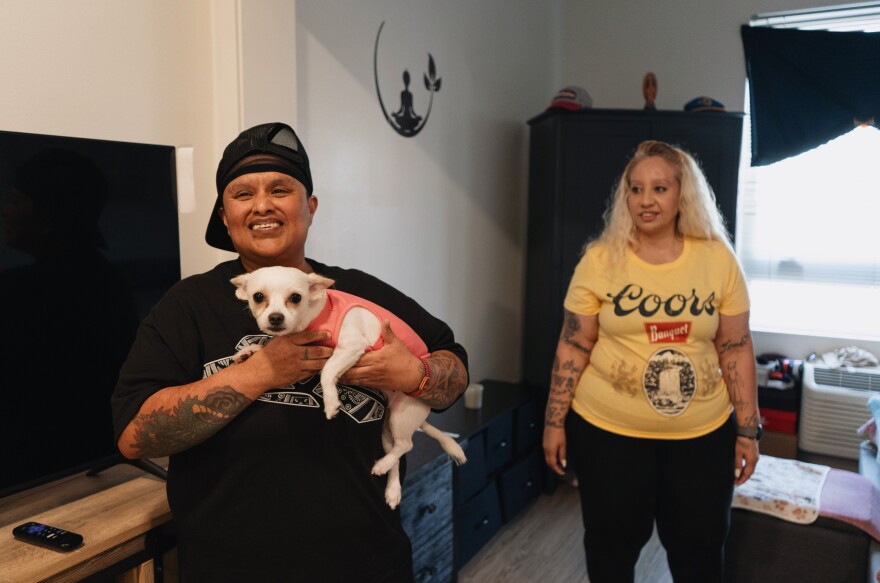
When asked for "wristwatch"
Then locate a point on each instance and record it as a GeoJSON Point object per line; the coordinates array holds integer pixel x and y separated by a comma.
{"type": "Point", "coordinates": [755, 433]}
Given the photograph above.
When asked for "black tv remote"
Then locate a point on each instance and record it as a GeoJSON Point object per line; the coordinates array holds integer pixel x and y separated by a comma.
{"type": "Point", "coordinates": [47, 536]}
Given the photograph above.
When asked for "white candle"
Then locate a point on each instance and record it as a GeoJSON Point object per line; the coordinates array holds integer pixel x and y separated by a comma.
{"type": "Point", "coordinates": [473, 396]}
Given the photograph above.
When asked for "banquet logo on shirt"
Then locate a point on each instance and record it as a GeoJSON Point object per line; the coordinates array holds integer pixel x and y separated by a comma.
{"type": "Point", "coordinates": [667, 332]}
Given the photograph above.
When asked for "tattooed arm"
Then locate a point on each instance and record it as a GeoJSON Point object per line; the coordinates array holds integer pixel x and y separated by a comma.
{"type": "Point", "coordinates": [393, 367]}
{"type": "Point", "coordinates": [449, 379]}
{"type": "Point", "coordinates": [177, 418]}
{"type": "Point", "coordinates": [579, 334]}
{"type": "Point", "coordinates": [736, 355]}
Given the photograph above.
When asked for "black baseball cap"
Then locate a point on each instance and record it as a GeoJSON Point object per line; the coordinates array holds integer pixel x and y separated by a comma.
{"type": "Point", "coordinates": [269, 147]}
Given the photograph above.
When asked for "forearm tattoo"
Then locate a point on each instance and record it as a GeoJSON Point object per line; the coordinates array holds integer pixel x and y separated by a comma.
{"type": "Point", "coordinates": [736, 386]}
{"type": "Point", "coordinates": [570, 328]}
{"type": "Point", "coordinates": [563, 382]}
{"type": "Point", "coordinates": [194, 419]}
{"type": "Point", "coordinates": [729, 345]}
{"type": "Point", "coordinates": [448, 381]}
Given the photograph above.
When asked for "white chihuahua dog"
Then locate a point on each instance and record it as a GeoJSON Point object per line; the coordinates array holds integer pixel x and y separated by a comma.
{"type": "Point", "coordinates": [285, 300]}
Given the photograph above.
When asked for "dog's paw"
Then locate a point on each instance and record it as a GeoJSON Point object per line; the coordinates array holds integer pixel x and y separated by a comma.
{"type": "Point", "coordinates": [245, 353]}
{"type": "Point", "coordinates": [384, 465]}
{"type": "Point", "coordinates": [331, 409]}
{"type": "Point", "coordinates": [393, 495]}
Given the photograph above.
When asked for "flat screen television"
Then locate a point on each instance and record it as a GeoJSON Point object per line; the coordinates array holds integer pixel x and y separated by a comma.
{"type": "Point", "coordinates": [88, 243]}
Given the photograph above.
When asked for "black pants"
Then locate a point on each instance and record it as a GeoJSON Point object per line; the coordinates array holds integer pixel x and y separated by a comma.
{"type": "Point", "coordinates": [626, 484]}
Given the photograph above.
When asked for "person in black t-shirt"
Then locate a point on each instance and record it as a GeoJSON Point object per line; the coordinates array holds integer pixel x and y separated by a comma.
{"type": "Point", "coordinates": [261, 485]}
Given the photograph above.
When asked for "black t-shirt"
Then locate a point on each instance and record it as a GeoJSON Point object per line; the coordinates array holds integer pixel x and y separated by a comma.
{"type": "Point", "coordinates": [280, 493]}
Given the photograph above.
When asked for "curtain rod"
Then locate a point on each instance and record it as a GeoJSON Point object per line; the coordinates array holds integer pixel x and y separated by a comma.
{"type": "Point", "coordinates": [850, 14]}
{"type": "Point", "coordinates": [827, 13]}
{"type": "Point", "coordinates": [870, 6]}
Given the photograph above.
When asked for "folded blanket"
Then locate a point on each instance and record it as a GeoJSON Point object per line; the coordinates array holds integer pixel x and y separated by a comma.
{"type": "Point", "coordinates": [784, 488]}
{"type": "Point", "coordinates": [851, 498]}
{"type": "Point", "coordinates": [801, 492]}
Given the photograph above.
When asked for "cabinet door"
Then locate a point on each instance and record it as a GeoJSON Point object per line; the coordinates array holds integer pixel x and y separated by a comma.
{"type": "Point", "coordinates": [499, 441]}
{"type": "Point", "coordinates": [594, 152]}
{"type": "Point", "coordinates": [480, 520]}
{"type": "Point", "coordinates": [522, 483]}
{"type": "Point", "coordinates": [471, 477]}
{"type": "Point", "coordinates": [576, 163]}
{"type": "Point", "coordinates": [544, 285]}
{"type": "Point", "coordinates": [528, 421]}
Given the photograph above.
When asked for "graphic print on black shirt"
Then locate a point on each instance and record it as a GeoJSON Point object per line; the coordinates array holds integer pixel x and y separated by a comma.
{"type": "Point", "coordinates": [362, 404]}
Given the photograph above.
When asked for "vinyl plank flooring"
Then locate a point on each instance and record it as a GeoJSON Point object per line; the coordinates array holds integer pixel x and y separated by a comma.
{"type": "Point", "coordinates": [544, 545]}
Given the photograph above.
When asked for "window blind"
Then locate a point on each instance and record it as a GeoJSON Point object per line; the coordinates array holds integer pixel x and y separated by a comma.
{"type": "Point", "coordinates": [814, 217]}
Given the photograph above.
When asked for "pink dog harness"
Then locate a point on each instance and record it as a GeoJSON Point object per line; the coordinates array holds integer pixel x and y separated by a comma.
{"type": "Point", "coordinates": [337, 306]}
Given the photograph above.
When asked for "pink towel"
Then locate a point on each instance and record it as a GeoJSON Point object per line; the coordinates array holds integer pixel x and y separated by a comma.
{"type": "Point", "coordinates": [851, 498]}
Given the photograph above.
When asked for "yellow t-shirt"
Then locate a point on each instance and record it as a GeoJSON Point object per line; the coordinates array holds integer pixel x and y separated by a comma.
{"type": "Point", "coordinates": [654, 370]}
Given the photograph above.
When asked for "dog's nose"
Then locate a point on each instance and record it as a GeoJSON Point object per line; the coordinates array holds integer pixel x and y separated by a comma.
{"type": "Point", "coordinates": [276, 319]}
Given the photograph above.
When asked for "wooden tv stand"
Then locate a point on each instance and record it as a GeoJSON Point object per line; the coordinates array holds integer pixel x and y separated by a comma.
{"type": "Point", "coordinates": [122, 514]}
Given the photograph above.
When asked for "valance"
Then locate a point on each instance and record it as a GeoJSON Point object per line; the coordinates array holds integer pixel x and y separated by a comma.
{"type": "Point", "coordinates": [808, 87]}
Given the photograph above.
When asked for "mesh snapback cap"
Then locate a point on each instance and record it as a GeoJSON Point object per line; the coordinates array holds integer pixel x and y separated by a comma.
{"type": "Point", "coordinates": [572, 97]}
{"type": "Point", "coordinates": [269, 147]}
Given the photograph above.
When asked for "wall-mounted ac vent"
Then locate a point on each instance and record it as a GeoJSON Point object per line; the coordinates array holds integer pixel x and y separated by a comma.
{"type": "Point", "coordinates": [834, 405]}
{"type": "Point", "coordinates": [863, 381]}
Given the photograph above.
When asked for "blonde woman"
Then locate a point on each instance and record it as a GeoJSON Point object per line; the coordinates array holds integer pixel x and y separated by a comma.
{"type": "Point", "coordinates": [656, 366]}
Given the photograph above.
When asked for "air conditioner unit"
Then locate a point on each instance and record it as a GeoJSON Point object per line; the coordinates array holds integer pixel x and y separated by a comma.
{"type": "Point", "coordinates": [834, 404]}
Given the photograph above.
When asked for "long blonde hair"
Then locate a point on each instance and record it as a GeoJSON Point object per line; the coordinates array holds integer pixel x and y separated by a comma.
{"type": "Point", "coordinates": [698, 215]}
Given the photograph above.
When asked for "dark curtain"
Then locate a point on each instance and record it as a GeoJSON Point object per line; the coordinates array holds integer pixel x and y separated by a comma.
{"type": "Point", "coordinates": [808, 87]}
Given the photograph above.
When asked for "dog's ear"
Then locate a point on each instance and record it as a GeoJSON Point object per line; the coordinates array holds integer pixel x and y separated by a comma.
{"type": "Point", "coordinates": [240, 283]}
{"type": "Point", "coordinates": [318, 283]}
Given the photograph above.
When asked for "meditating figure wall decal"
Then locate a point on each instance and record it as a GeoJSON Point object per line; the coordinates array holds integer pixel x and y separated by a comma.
{"type": "Point", "coordinates": [405, 120]}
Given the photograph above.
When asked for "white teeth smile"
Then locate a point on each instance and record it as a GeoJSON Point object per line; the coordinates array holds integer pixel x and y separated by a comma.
{"type": "Point", "coordinates": [263, 226]}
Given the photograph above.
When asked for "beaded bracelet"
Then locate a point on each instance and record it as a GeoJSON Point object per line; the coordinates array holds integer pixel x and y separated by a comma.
{"type": "Point", "coordinates": [425, 379]}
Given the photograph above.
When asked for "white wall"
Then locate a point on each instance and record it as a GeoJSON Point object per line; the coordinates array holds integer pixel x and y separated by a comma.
{"type": "Point", "coordinates": [439, 215]}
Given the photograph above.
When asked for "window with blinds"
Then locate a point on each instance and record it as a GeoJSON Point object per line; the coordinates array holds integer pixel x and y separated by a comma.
{"type": "Point", "coordinates": [808, 227]}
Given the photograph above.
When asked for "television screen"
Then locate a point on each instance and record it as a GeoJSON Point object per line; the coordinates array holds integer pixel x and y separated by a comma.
{"type": "Point", "coordinates": [88, 244]}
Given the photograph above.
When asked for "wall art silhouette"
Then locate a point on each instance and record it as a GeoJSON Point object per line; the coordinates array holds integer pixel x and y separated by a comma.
{"type": "Point", "coordinates": [405, 120]}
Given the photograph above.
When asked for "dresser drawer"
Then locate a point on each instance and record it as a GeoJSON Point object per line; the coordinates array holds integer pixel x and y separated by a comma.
{"type": "Point", "coordinates": [427, 502]}
{"type": "Point", "coordinates": [471, 476]}
{"type": "Point", "coordinates": [426, 510]}
{"type": "Point", "coordinates": [528, 422]}
{"type": "Point", "coordinates": [480, 519]}
{"type": "Point", "coordinates": [499, 441]}
{"type": "Point", "coordinates": [432, 559]}
{"type": "Point", "coordinates": [522, 483]}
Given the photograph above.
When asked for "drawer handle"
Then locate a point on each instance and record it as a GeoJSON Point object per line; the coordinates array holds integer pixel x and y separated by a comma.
{"type": "Point", "coordinates": [532, 424]}
{"type": "Point", "coordinates": [529, 484]}
{"type": "Point", "coordinates": [500, 444]}
{"type": "Point", "coordinates": [429, 509]}
{"type": "Point", "coordinates": [482, 523]}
